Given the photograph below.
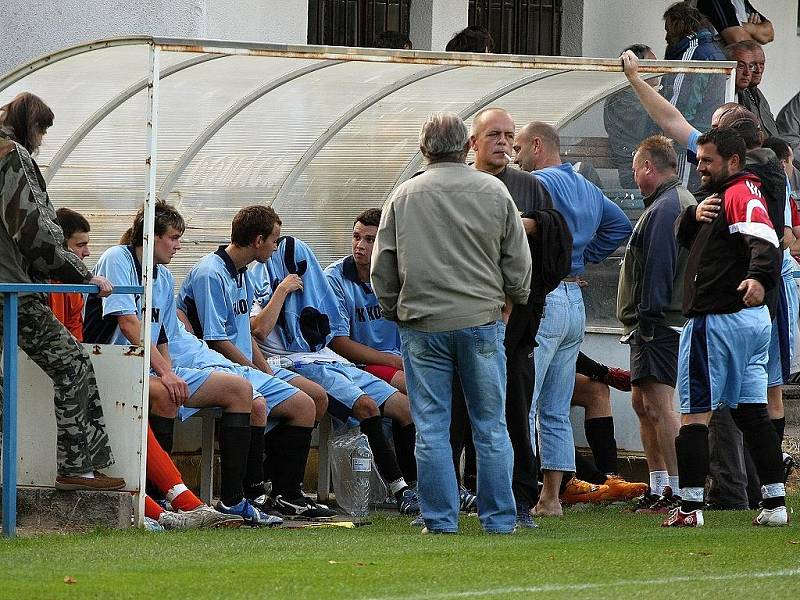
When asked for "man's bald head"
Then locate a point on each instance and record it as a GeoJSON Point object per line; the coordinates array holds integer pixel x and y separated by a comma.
{"type": "Point", "coordinates": [483, 116]}
{"type": "Point", "coordinates": [547, 133]}
{"type": "Point", "coordinates": [537, 145]}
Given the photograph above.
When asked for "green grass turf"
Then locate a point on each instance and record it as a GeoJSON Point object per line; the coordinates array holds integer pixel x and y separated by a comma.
{"type": "Point", "coordinates": [592, 553]}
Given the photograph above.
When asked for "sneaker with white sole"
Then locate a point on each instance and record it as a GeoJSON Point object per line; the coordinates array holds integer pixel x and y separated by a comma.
{"type": "Point", "coordinates": [467, 501]}
{"type": "Point", "coordinates": [303, 507]}
{"type": "Point", "coordinates": [419, 521]}
{"type": "Point", "coordinates": [152, 525]}
{"type": "Point", "coordinates": [772, 517]}
{"type": "Point", "coordinates": [524, 517]}
{"type": "Point", "coordinates": [788, 465]}
{"type": "Point", "coordinates": [251, 515]}
{"type": "Point", "coordinates": [678, 518]}
{"type": "Point", "coordinates": [206, 517]}
{"type": "Point", "coordinates": [408, 504]}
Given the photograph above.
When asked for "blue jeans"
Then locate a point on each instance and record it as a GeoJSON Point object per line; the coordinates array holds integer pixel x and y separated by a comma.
{"type": "Point", "coordinates": [560, 336]}
{"type": "Point", "coordinates": [431, 360]}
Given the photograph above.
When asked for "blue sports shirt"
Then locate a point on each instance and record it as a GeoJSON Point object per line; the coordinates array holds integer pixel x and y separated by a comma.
{"type": "Point", "coordinates": [216, 296]}
{"type": "Point", "coordinates": [361, 317]}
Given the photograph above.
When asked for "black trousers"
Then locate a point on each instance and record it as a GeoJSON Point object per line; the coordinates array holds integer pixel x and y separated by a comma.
{"type": "Point", "coordinates": [519, 396]}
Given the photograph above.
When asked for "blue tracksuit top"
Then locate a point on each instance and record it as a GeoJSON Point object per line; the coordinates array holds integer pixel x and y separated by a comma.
{"type": "Point", "coordinates": [598, 225]}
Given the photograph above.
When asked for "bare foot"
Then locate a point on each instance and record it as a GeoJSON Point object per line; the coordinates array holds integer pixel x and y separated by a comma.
{"type": "Point", "coordinates": [548, 509]}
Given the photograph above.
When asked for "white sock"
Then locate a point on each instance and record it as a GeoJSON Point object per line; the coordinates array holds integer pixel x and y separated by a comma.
{"type": "Point", "coordinates": [673, 483]}
{"type": "Point", "coordinates": [658, 479]}
{"type": "Point", "coordinates": [89, 475]}
{"type": "Point", "coordinates": [398, 485]}
{"type": "Point", "coordinates": [176, 491]}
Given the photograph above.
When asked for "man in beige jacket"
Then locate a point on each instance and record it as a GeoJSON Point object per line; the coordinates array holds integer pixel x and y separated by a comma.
{"type": "Point", "coordinates": [450, 259]}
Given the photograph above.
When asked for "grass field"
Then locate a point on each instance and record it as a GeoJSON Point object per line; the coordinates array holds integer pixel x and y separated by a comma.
{"type": "Point", "coordinates": [592, 553]}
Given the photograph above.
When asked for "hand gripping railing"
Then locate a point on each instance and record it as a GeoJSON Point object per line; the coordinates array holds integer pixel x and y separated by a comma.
{"type": "Point", "coordinates": [10, 293]}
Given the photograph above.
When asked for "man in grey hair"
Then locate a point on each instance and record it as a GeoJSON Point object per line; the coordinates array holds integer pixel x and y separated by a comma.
{"type": "Point", "coordinates": [449, 261]}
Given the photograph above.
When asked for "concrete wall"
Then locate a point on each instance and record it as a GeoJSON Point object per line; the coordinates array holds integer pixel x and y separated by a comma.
{"type": "Point", "coordinates": [611, 25]}
{"type": "Point", "coordinates": [41, 28]}
{"type": "Point", "coordinates": [433, 22]}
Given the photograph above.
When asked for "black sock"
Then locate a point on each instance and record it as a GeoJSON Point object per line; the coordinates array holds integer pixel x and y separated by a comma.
{"type": "Point", "coordinates": [760, 436]}
{"type": "Point", "coordinates": [269, 447]}
{"type": "Point", "coordinates": [164, 431]}
{"type": "Point", "coordinates": [586, 470]}
{"type": "Point", "coordinates": [289, 456]}
{"type": "Point", "coordinates": [780, 426]}
{"type": "Point", "coordinates": [254, 476]}
{"type": "Point", "coordinates": [591, 368]}
{"type": "Point", "coordinates": [234, 447]}
{"type": "Point", "coordinates": [600, 435]}
{"type": "Point", "coordinates": [691, 447]}
{"type": "Point", "coordinates": [404, 442]}
{"type": "Point", "coordinates": [382, 455]}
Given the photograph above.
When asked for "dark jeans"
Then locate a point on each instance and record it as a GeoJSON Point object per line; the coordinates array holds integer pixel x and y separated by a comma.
{"type": "Point", "coordinates": [734, 482]}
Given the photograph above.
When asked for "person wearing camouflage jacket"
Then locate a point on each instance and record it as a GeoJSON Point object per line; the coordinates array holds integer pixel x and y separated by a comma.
{"type": "Point", "coordinates": [32, 249]}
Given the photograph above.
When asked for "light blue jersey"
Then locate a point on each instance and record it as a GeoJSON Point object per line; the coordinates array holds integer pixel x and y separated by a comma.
{"type": "Point", "coordinates": [120, 265]}
{"type": "Point", "coordinates": [361, 317]}
{"type": "Point", "coordinates": [216, 297]}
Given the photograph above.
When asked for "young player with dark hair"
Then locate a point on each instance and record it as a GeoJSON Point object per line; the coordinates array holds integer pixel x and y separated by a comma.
{"type": "Point", "coordinates": [215, 298]}
{"type": "Point", "coordinates": [173, 385]}
{"type": "Point", "coordinates": [299, 324]}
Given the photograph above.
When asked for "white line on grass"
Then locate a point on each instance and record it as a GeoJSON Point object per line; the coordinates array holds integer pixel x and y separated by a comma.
{"type": "Point", "coordinates": [557, 587]}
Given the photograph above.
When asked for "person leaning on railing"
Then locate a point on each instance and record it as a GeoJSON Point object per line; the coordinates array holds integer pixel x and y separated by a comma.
{"type": "Point", "coordinates": [32, 249]}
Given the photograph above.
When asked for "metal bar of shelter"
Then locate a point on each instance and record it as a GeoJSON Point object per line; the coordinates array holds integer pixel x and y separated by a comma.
{"type": "Point", "coordinates": [11, 293]}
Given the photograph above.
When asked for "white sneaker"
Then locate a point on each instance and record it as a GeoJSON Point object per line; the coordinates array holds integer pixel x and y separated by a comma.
{"type": "Point", "coordinates": [206, 517]}
{"type": "Point", "coordinates": [772, 517]}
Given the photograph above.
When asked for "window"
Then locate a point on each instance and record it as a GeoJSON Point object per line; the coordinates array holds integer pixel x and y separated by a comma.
{"type": "Point", "coordinates": [520, 26]}
{"type": "Point", "coordinates": [355, 22]}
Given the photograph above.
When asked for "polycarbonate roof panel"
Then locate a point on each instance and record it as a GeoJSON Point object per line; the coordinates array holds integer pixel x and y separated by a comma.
{"type": "Point", "coordinates": [320, 132]}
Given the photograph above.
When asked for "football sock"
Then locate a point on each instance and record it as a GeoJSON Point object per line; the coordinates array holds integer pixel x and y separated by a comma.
{"type": "Point", "coordinates": [254, 474]}
{"type": "Point", "coordinates": [762, 440]}
{"type": "Point", "coordinates": [234, 446]}
{"type": "Point", "coordinates": [404, 442]}
{"type": "Point", "coordinates": [591, 368]}
{"type": "Point", "coordinates": [691, 446]}
{"type": "Point", "coordinates": [658, 479]}
{"type": "Point", "coordinates": [164, 431]}
{"type": "Point", "coordinates": [600, 435]}
{"type": "Point", "coordinates": [674, 485]}
{"type": "Point", "coordinates": [152, 509]}
{"type": "Point", "coordinates": [780, 426]}
{"type": "Point", "coordinates": [585, 469]}
{"type": "Point", "coordinates": [289, 456]}
{"type": "Point", "coordinates": [385, 460]}
{"type": "Point", "coordinates": [165, 477]}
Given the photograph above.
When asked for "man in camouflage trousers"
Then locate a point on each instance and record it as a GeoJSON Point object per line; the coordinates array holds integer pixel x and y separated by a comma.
{"type": "Point", "coordinates": [32, 249]}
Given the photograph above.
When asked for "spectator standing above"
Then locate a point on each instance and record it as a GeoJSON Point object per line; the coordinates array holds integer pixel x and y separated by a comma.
{"type": "Point", "coordinates": [752, 98]}
{"type": "Point", "coordinates": [689, 37]}
{"type": "Point", "coordinates": [392, 39]}
{"type": "Point", "coordinates": [627, 123]}
{"type": "Point", "coordinates": [471, 39]}
{"type": "Point", "coordinates": [32, 249]}
{"type": "Point", "coordinates": [598, 227]}
{"type": "Point", "coordinates": [648, 306]}
{"type": "Point", "coordinates": [451, 295]}
{"type": "Point", "coordinates": [737, 20]}
{"type": "Point", "coordinates": [732, 261]}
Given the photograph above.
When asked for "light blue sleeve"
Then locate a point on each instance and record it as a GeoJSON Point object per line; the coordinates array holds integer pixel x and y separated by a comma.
{"type": "Point", "coordinates": [615, 228]}
{"type": "Point", "coordinates": [342, 325]}
{"type": "Point", "coordinates": [691, 144]}
{"type": "Point", "coordinates": [211, 301]}
{"type": "Point", "coordinates": [115, 265]}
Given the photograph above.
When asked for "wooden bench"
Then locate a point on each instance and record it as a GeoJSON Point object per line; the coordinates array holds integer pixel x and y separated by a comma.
{"type": "Point", "coordinates": [594, 150]}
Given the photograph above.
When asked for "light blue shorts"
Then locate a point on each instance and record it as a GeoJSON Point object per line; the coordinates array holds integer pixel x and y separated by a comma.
{"type": "Point", "coordinates": [722, 359]}
{"type": "Point", "coordinates": [781, 344]}
{"type": "Point", "coordinates": [345, 384]}
{"type": "Point", "coordinates": [284, 374]}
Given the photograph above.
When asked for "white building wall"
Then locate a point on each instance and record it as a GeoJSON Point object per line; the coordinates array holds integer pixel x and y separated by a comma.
{"type": "Point", "coordinates": [614, 24]}
{"type": "Point", "coordinates": [39, 28]}
{"type": "Point", "coordinates": [433, 23]}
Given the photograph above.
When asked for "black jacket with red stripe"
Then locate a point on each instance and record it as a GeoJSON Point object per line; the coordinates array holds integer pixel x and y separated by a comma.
{"type": "Point", "coordinates": [739, 244]}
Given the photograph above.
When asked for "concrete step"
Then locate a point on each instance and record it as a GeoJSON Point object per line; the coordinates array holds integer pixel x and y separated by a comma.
{"type": "Point", "coordinates": [47, 509]}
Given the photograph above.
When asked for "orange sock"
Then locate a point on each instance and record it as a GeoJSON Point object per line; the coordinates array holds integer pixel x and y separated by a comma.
{"type": "Point", "coordinates": [152, 509]}
{"type": "Point", "coordinates": [163, 474]}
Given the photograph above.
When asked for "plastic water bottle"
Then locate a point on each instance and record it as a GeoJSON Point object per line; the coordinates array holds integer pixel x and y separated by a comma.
{"type": "Point", "coordinates": [280, 362]}
{"type": "Point", "coordinates": [361, 466]}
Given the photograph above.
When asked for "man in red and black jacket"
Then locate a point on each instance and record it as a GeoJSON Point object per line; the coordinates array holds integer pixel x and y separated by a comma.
{"type": "Point", "coordinates": [733, 261]}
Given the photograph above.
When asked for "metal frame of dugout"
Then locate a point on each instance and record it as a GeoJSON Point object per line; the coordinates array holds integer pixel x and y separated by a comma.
{"type": "Point", "coordinates": [311, 60]}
